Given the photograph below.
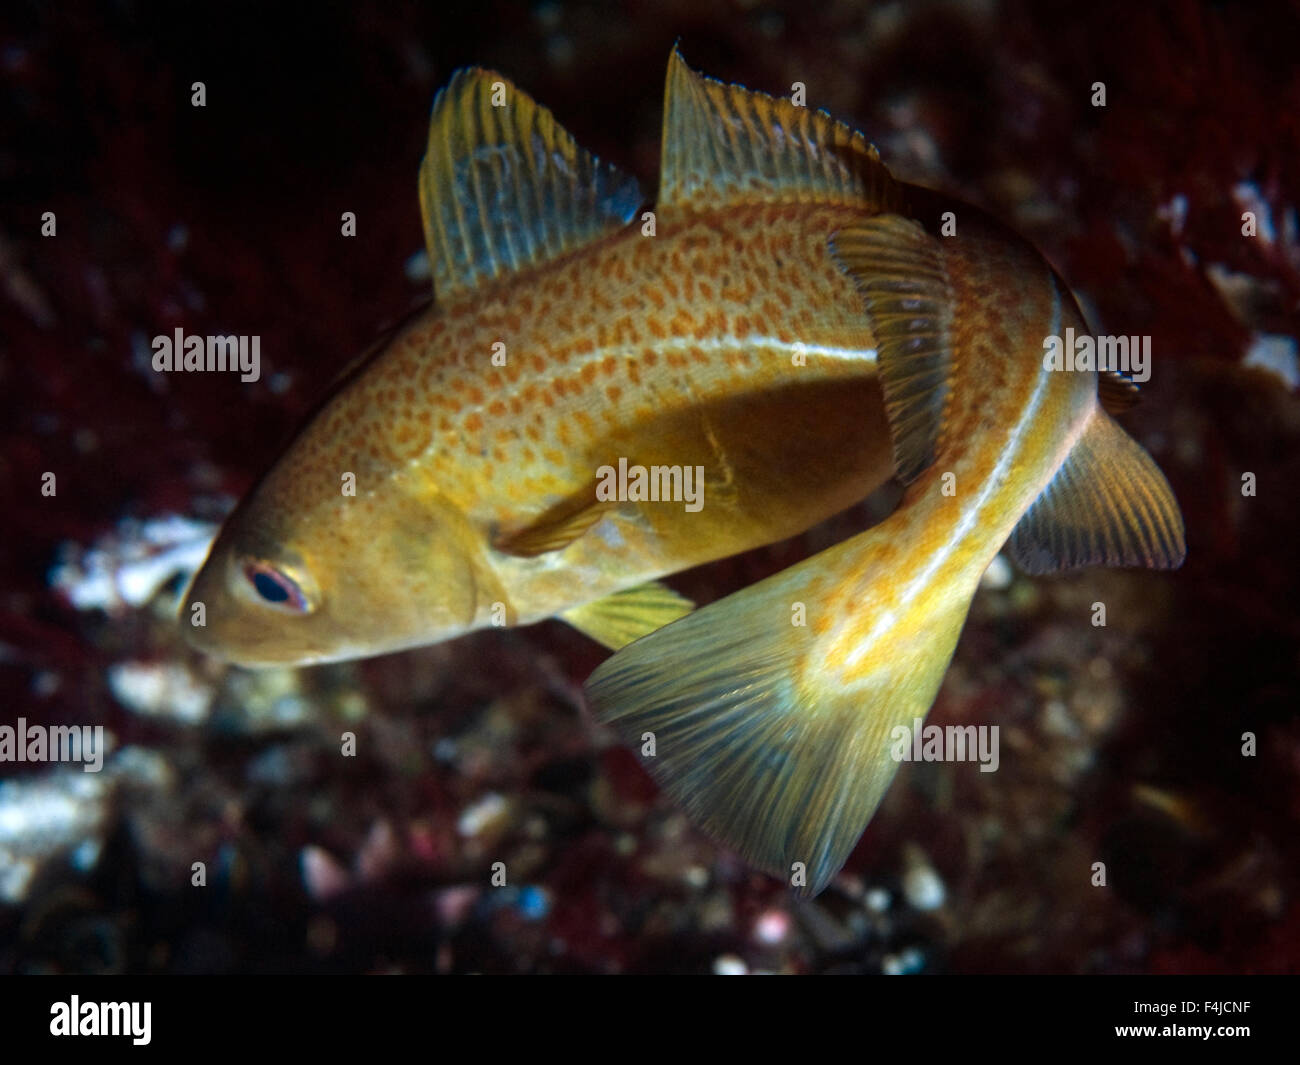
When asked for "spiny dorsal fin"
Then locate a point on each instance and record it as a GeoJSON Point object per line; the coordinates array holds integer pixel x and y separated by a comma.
{"type": "Point", "coordinates": [1108, 505]}
{"type": "Point", "coordinates": [899, 270]}
{"type": "Point", "coordinates": [727, 144]}
{"type": "Point", "coordinates": [1117, 392]}
{"type": "Point", "coordinates": [625, 616]}
{"type": "Point", "coordinates": [505, 187]}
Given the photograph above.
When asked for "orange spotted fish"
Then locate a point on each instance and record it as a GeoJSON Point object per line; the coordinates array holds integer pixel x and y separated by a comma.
{"type": "Point", "coordinates": [788, 323]}
{"type": "Point", "coordinates": [489, 466]}
{"type": "Point", "coordinates": [773, 710]}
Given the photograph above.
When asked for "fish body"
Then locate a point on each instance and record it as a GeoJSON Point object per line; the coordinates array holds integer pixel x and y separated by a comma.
{"type": "Point", "coordinates": [728, 343]}
{"type": "Point", "coordinates": [794, 324]}
{"type": "Point", "coordinates": [774, 728]}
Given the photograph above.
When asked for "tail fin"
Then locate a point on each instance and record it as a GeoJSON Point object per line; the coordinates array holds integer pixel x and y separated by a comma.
{"type": "Point", "coordinates": [770, 740]}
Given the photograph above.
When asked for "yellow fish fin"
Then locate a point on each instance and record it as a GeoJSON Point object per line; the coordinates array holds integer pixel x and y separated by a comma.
{"type": "Point", "coordinates": [1108, 505]}
{"type": "Point", "coordinates": [758, 734]}
{"type": "Point", "coordinates": [723, 144]}
{"type": "Point", "coordinates": [618, 619]}
{"type": "Point", "coordinates": [503, 186]}
{"type": "Point", "coordinates": [899, 270]}
{"type": "Point", "coordinates": [1116, 392]}
{"type": "Point", "coordinates": [557, 528]}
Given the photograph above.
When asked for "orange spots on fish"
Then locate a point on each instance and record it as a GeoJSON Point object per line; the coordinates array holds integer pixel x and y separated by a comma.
{"type": "Point", "coordinates": [613, 393]}
{"type": "Point", "coordinates": [513, 371]}
{"type": "Point", "coordinates": [475, 395]}
{"type": "Point", "coordinates": [706, 291]}
{"type": "Point", "coordinates": [555, 458]}
{"type": "Point", "coordinates": [650, 359]}
{"type": "Point", "coordinates": [670, 286]}
{"type": "Point", "coordinates": [656, 329]}
{"type": "Point", "coordinates": [656, 298]}
{"type": "Point", "coordinates": [474, 423]}
{"type": "Point", "coordinates": [493, 380]}
{"type": "Point", "coordinates": [497, 409]}
{"type": "Point", "coordinates": [632, 302]}
{"type": "Point", "coordinates": [538, 364]}
{"type": "Point", "coordinates": [742, 326]}
{"type": "Point", "coordinates": [698, 356]}
{"type": "Point", "coordinates": [676, 360]}
{"type": "Point", "coordinates": [563, 435]}
{"type": "Point", "coordinates": [584, 346]}
{"type": "Point", "coordinates": [516, 406]}
{"type": "Point", "coordinates": [533, 433]}
{"type": "Point", "coordinates": [682, 323]}
{"type": "Point", "coordinates": [634, 373]}
{"type": "Point", "coordinates": [584, 420]}
{"type": "Point", "coordinates": [608, 365]}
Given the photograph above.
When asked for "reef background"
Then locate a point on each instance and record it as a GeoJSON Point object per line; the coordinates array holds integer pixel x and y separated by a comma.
{"type": "Point", "coordinates": [1119, 744]}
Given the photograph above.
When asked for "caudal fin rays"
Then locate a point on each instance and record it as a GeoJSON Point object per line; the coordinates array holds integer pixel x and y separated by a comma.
{"type": "Point", "coordinates": [764, 751]}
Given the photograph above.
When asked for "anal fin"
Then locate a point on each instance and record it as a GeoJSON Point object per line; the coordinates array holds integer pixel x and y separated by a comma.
{"type": "Point", "coordinates": [625, 616]}
{"type": "Point", "coordinates": [1108, 505]}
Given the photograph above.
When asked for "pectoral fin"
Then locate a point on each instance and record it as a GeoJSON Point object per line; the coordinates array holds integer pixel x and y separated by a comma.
{"type": "Point", "coordinates": [1108, 505]}
{"type": "Point", "coordinates": [618, 619]}
{"type": "Point", "coordinates": [557, 527]}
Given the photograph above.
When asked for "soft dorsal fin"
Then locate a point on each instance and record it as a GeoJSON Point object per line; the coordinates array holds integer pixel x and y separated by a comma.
{"type": "Point", "coordinates": [503, 186]}
{"type": "Point", "coordinates": [1108, 505]}
{"type": "Point", "coordinates": [898, 268]}
{"type": "Point", "coordinates": [725, 144]}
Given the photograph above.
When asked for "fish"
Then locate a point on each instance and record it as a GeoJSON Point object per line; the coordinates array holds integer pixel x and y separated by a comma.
{"type": "Point", "coordinates": [769, 715]}
{"type": "Point", "coordinates": [495, 462]}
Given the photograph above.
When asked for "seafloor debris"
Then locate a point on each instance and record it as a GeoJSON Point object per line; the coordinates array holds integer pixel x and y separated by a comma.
{"type": "Point", "coordinates": [129, 566]}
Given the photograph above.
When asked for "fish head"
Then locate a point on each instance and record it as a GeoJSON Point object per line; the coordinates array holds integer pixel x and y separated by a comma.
{"type": "Point", "coordinates": [302, 573]}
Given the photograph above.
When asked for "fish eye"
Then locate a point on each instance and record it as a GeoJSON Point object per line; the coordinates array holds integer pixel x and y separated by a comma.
{"type": "Point", "coordinates": [276, 588]}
